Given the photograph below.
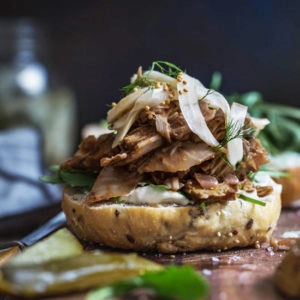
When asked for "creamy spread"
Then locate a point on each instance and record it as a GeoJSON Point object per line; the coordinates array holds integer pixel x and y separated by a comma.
{"type": "Point", "coordinates": [150, 195]}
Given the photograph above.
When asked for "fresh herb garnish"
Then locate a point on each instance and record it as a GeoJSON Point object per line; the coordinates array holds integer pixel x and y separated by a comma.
{"type": "Point", "coordinates": [141, 81]}
{"type": "Point", "coordinates": [283, 132]}
{"type": "Point", "coordinates": [72, 177]}
{"type": "Point", "coordinates": [166, 68]}
{"type": "Point", "coordinates": [233, 131]}
{"type": "Point", "coordinates": [272, 173]}
{"type": "Point", "coordinates": [173, 282]}
{"type": "Point", "coordinates": [252, 200]}
{"type": "Point", "coordinates": [159, 187]}
{"type": "Point", "coordinates": [118, 201]}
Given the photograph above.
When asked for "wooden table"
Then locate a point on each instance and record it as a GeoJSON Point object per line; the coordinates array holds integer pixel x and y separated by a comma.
{"type": "Point", "coordinates": [236, 274]}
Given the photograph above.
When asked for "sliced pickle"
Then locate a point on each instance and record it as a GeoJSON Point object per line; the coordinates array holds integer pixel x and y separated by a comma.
{"type": "Point", "coordinates": [76, 273]}
{"type": "Point", "coordinates": [60, 244]}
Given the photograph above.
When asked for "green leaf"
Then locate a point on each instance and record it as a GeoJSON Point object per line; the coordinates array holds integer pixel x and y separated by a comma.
{"type": "Point", "coordinates": [216, 81]}
{"type": "Point", "coordinates": [252, 200]}
{"type": "Point", "coordinates": [173, 282]}
{"type": "Point", "coordinates": [166, 67]}
{"type": "Point", "coordinates": [77, 178]}
{"type": "Point", "coordinates": [74, 178]}
{"type": "Point", "coordinates": [51, 178]}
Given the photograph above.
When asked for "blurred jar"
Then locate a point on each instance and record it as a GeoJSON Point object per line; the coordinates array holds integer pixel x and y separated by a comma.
{"type": "Point", "coordinates": [30, 95]}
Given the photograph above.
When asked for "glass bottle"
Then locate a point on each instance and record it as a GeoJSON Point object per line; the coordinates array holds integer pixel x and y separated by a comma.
{"type": "Point", "coordinates": [30, 96]}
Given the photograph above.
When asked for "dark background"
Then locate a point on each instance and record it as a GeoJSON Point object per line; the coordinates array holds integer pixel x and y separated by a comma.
{"type": "Point", "coordinates": [96, 46]}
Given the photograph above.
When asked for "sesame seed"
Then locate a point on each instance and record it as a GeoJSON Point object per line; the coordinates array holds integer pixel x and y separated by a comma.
{"type": "Point", "coordinates": [113, 104]}
{"type": "Point", "coordinates": [219, 234]}
{"type": "Point", "coordinates": [180, 92]}
{"type": "Point", "coordinates": [147, 107]}
{"type": "Point", "coordinates": [185, 90]}
{"type": "Point", "coordinates": [157, 85]}
{"type": "Point", "coordinates": [230, 234]}
{"type": "Point", "coordinates": [135, 89]}
{"type": "Point", "coordinates": [184, 82]}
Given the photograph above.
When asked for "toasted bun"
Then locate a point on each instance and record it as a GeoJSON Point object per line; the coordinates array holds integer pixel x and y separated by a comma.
{"type": "Point", "coordinates": [290, 186]}
{"type": "Point", "coordinates": [288, 162]}
{"type": "Point", "coordinates": [171, 229]}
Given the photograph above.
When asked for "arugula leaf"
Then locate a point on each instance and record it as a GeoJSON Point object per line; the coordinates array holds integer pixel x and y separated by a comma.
{"type": "Point", "coordinates": [173, 282]}
{"type": "Point", "coordinates": [72, 177]}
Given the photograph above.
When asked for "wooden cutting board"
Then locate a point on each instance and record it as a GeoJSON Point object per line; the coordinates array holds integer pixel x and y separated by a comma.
{"type": "Point", "coordinates": [243, 274]}
{"type": "Point", "coordinates": [239, 274]}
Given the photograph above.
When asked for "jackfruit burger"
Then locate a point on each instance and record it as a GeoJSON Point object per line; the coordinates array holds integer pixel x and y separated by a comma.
{"type": "Point", "coordinates": [178, 172]}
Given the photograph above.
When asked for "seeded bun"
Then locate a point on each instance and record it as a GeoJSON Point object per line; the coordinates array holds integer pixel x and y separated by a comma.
{"type": "Point", "coordinates": [290, 186]}
{"type": "Point", "coordinates": [171, 229]}
{"type": "Point", "coordinates": [288, 162]}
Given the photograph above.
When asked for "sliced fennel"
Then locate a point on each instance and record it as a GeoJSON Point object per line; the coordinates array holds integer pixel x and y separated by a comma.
{"type": "Point", "coordinates": [189, 105]}
{"type": "Point", "coordinates": [235, 146]}
{"type": "Point", "coordinates": [124, 105]}
{"type": "Point", "coordinates": [160, 77]}
{"type": "Point", "coordinates": [214, 99]}
{"type": "Point", "coordinates": [189, 91]}
{"type": "Point", "coordinates": [149, 97]}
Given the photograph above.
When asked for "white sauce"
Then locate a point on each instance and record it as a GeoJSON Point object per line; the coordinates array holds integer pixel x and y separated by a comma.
{"type": "Point", "coordinates": [149, 195]}
{"type": "Point", "coordinates": [262, 179]}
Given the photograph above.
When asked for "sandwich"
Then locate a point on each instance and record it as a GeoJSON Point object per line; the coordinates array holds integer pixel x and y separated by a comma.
{"type": "Point", "coordinates": [177, 171]}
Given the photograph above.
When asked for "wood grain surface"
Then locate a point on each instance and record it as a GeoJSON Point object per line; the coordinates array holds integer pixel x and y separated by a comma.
{"type": "Point", "coordinates": [242, 274]}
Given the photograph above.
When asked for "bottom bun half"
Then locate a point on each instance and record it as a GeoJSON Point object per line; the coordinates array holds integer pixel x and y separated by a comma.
{"type": "Point", "coordinates": [171, 229]}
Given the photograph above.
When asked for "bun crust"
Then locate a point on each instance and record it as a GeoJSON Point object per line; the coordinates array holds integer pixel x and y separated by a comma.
{"type": "Point", "coordinates": [290, 186]}
{"type": "Point", "coordinates": [171, 229]}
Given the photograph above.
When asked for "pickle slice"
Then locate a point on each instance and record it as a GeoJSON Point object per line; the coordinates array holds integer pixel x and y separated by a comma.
{"type": "Point", "coordinates": [76, 273]}
{"type": "Point", "coordinates": [60, 244]}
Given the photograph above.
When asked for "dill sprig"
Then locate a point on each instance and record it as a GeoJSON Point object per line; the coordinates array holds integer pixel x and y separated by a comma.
{"type": "Point", "coordinates": [234, 131]}
{"type": "Point", "coordinates": [142, 81]}
{"type": "Point", "coordinates": [166, 68]}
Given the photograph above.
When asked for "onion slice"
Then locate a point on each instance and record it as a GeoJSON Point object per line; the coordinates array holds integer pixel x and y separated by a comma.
{"type": "Point", "coordinates": [237, 117]}
{"type": "Point", "coordinates": [187, 89]}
